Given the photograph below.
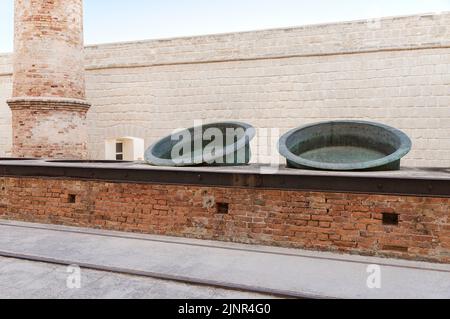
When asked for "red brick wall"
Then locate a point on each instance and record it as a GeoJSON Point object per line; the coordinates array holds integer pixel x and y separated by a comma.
{"type": "Point", "coordinates": [45, 129]}
{"type": "Point", "coordinates": [349, 223]}
{"type": "Point", "coordinates": [49, 65]}
{"type": "Point", "coordinates": [48, 49]}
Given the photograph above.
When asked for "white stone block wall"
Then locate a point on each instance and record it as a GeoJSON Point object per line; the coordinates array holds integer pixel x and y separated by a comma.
{"type": "Point", "coordinates": [395, 71]}
{"type": "Point", "coordinates": [5, 112]}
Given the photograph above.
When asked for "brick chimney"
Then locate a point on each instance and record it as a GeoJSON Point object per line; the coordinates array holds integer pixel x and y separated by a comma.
{"type": "Point", "coordinates": [48, 104]}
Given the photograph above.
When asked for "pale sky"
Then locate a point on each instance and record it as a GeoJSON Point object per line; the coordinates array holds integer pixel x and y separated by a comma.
{"type": "Point", "coordinates": [128, 20]}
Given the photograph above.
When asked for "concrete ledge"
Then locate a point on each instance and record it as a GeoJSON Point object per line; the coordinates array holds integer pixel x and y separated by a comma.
{"type": "Point", "coordinates": [408, 181]}
{"type": "Point", "coordinates": [47, 103]}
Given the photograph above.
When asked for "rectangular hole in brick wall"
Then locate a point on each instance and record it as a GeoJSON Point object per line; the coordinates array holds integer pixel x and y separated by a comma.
{"type": "Point", "coordinates": [72, 199]}
{"type": "Point", "coordinates": [395, 248]}
{"type": "Point", "coordinates": [390, 219]}
{"type": "Point", "coordinates": [223, 208]}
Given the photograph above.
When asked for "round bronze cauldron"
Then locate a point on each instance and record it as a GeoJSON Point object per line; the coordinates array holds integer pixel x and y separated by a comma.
{"type": "Point", "coordinates": [345, 146]}
{"type": "Point", "coordinates": [216, 144]}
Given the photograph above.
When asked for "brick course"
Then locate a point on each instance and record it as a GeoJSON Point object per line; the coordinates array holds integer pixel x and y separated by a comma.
{"type": "Point", "coordinates": [49, 129]}
{"type": "Point", "coordinates": [349, 223]}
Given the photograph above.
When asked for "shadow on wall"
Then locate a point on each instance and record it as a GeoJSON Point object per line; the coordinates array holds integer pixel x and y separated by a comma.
{"type": "Point", "coordinates": [445, 170]}
{"type": "Point", "coordinates": [125, 149]}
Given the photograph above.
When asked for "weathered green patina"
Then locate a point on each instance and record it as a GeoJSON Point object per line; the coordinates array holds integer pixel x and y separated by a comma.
{"type": "Point", "coordinates": [345, 146]}
{"type": "Point", "coordinates": [216, 144]}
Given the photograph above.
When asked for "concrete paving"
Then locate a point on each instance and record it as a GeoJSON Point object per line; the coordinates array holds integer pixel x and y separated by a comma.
{"type": "Point", "coordinates": [258, 269]}
{"type": "Point", "coordinates": [21, 279]}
